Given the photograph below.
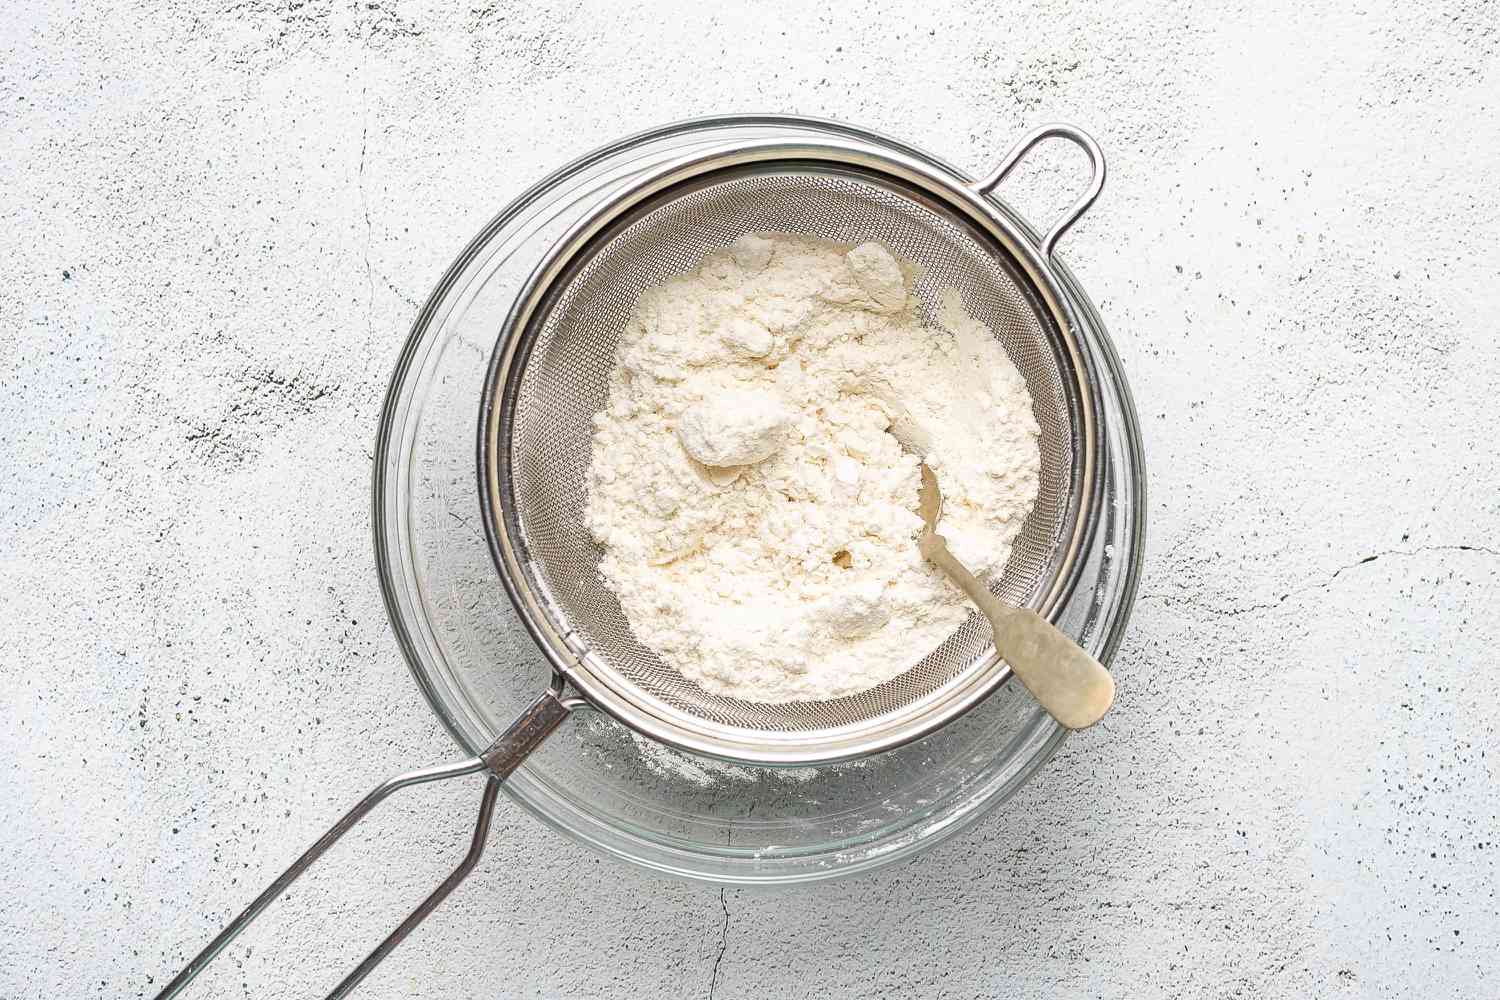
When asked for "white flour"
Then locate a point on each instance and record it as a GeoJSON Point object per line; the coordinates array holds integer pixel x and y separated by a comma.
{"type": "Point", "coordinates": [754, 473]}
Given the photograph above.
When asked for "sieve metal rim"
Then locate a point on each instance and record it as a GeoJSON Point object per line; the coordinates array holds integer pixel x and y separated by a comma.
{"type": "Point", "coordinates": [588, 672]}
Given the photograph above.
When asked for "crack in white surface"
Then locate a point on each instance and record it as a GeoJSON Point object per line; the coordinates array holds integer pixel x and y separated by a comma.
{"type": "Point", "coordinates": [713, 982]}
{"type": "Point", "coordinates": [1236, 612]}
{"type": "Point", "coordinates": [1421, 549]}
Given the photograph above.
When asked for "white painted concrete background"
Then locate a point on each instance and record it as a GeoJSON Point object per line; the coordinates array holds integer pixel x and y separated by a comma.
{"type": "Point", "coordinates": [218, 226]}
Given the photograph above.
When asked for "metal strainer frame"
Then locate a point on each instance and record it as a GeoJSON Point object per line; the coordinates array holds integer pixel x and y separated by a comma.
{"type": "Point", "coordinates": [655, 701]}
{"type": "Point", "coordinates": [575, 663]}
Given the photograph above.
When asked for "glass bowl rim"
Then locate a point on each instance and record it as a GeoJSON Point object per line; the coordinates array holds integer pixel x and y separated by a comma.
{"type": "Point", "coordinates": [555, 811]}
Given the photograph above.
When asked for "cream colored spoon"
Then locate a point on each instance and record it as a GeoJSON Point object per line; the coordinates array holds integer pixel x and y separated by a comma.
{"type": "Point", "coordinates": [1070, 684]}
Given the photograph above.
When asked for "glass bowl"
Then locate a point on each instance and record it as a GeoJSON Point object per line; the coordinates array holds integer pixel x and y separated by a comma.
{"type": "Point", "coordinates": [595, 780]}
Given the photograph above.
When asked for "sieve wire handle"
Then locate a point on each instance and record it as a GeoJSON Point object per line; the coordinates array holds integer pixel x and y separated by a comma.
{"type": "Point", "coordinates": [1018, 152]}
{"type": "Point", "coordinates": [501, 758]}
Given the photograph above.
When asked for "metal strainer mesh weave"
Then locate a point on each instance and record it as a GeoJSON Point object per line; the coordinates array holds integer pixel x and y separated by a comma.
{"type": "Point", "coordinates": [565, 380]}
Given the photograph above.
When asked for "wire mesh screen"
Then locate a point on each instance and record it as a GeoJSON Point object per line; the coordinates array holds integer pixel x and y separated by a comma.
{"type": "Point", "coordinates": [565, 382]}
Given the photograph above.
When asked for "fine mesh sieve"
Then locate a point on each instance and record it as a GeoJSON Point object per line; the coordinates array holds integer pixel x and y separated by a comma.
{"type": "Point", "coordinates": [551, 376]}
{"type": "Point", "coordinates": [548, 376]}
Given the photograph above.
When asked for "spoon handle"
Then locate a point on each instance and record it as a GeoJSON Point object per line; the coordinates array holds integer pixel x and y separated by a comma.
{"type": "Point", "coordinates": [1069, 683]}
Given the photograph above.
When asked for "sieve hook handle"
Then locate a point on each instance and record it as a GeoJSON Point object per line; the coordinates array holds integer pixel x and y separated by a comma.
{"type": "Point", "coordinates": [501, 759]}
{"type": "Point", "coordinates": [1079, 138]}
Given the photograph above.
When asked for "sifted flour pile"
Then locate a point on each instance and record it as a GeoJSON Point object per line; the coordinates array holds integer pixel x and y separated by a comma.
{"type": "Point", "coordinates": [754, 473]}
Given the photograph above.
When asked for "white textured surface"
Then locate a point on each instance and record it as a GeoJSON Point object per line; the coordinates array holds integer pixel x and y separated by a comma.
{"type": "Point", "coordinates": [218, 226]}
